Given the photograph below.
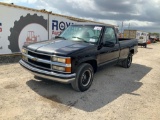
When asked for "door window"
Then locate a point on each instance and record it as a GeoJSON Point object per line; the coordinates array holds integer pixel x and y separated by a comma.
{"type": "Point", "coordinates": [109, 35]}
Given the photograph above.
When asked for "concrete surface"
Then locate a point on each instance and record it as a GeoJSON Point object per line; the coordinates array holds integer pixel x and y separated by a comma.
{"type": "Point", "coordinates": [116, 93]}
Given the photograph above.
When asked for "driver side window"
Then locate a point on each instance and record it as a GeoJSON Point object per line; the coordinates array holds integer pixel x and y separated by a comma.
{"type": "Point", "coordinates": [109, 35]}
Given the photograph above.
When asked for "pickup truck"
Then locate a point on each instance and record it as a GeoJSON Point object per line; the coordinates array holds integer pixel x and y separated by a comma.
{"type": "Point", "coordinates": [76, 54]}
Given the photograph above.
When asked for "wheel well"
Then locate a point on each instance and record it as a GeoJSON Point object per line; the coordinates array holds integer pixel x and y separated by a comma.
{"type": "Point", "coordinates": [132, 51]}
{"type": "Point", "coordinates": [93, 63]}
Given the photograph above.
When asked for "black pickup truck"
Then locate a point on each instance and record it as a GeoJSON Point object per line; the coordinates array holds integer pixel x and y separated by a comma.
{"type": "Point", "coordinates": [74, 56]}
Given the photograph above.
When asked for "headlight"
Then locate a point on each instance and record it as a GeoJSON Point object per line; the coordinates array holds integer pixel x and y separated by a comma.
{"type": "Point", "coordinates": [61, 60]}
{"type": "Point", "coordinates": [62, 69]}
{"type": "Point", "coordinates": [24, 51]}
{"type": "Point", "coordinates": [58, 68]}
{"type": "Point", "coordinates": [66, 63]}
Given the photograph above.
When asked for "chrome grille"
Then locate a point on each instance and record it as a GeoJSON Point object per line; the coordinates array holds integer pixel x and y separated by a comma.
{"type": "Point", "coordinates": [39, 64]}
{"type": "Point", "coordinates": [41, 56]}
{"type": "Point", "coordinates": [34, 56]}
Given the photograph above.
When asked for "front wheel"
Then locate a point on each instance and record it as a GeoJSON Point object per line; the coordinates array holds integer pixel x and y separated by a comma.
{"type": "Point", "coordinates": [127, 62]}
{"type": "Point", "coordinates": [84, 77]}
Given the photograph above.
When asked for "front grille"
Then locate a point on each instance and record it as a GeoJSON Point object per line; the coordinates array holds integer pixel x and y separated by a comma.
{"type": "Point", "coordinates": [43, 61]}
{"type": "Point", "coordinates": [45, 57]}
{"type": "Point", "coordinates": [43, 65]}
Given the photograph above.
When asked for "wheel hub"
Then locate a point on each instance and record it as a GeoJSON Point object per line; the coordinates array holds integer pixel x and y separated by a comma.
{"type": "Point", "coordinates": [86, 77]}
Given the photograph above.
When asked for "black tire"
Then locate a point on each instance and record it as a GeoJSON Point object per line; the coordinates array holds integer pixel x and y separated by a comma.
{"type": "Point", "coordinates": [127, 62]}
{"type": "Point", "coordinates": [145, 46]}
{"type": "Point", "coordinates": [19, 25]}
{"type": "Point", "coordinates": [84, 77]}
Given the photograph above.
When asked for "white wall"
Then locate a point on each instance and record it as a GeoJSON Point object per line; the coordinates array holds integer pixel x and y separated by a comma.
{"type": "Point", "coordinates": [14, 31]}
{"type": "Point", "coordinates": [57, 24]}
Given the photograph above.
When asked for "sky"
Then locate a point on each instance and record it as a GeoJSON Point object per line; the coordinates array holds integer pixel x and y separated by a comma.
{"type": "Point", "coordinates": [135, 14]}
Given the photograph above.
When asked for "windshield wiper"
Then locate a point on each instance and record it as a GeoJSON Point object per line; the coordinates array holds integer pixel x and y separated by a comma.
{"type": "Point", "coordinates": [81, 39]}
{"type": "Point", "coordinates": [60, 37]}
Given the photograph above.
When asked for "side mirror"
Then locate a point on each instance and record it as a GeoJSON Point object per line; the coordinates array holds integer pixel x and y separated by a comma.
{"type": "Point", "coordinates": [109, 44]}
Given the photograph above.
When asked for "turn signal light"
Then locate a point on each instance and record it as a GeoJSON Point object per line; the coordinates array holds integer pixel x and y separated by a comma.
{"type": "Point", "coordinates": [68, 69]}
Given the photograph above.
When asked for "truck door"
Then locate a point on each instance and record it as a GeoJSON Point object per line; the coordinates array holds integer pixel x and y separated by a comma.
{"type": "Point", "coordinates": [109, 54]}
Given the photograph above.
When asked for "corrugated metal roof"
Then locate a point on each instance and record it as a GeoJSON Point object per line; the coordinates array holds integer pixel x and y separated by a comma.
{"type": "Point", "coordinates": [47, 12]}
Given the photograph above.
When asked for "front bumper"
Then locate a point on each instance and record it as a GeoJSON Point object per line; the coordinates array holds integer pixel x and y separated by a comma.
{"type": "Point", "coordinates": [63, 78]}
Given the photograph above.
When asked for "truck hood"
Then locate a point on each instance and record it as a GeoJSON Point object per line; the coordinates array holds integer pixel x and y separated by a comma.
{"type": "Point", "coordinates": [58, 47]}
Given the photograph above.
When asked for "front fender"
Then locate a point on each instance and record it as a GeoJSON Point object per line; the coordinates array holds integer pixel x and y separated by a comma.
{"type": "Point", "coordinates": [81, 60]}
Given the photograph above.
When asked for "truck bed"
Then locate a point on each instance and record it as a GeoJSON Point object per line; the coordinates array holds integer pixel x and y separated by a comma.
{"type": "Point", "coordinates": [127, 42]}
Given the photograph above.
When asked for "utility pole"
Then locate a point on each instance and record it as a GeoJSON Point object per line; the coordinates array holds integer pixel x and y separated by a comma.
{"type": "Point", "coordinates": [122, 27]}
{"type": "Point", "coordinates": [129, 29]}
{"type": "Point", "coordinates": [128, 26]}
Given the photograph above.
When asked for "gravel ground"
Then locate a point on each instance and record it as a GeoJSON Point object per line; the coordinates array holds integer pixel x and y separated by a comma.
{"type": "Point", "coordinates": [116, 93]}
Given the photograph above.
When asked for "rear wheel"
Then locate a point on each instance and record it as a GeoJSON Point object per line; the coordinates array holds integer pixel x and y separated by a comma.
{"type": "Point", "coordinates": [127, 62]}
{"type": "Point", "coordinates": [84, 77]}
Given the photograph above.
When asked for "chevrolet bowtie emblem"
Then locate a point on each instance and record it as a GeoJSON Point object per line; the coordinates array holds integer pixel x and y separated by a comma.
{"type": "Point", "coordinates": [34, 59]}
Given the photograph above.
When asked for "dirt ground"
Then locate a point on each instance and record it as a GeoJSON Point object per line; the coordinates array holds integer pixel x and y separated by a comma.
{"type": "Point", "coordinates": [116, 93]}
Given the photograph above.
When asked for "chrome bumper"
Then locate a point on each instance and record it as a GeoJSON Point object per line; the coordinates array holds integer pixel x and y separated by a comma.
{"type": "Point", "coordinates": [63, 78]}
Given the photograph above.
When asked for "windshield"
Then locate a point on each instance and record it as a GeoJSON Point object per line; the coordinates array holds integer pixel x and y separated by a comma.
{"type": "Point", "coordinates": [85, 33]}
